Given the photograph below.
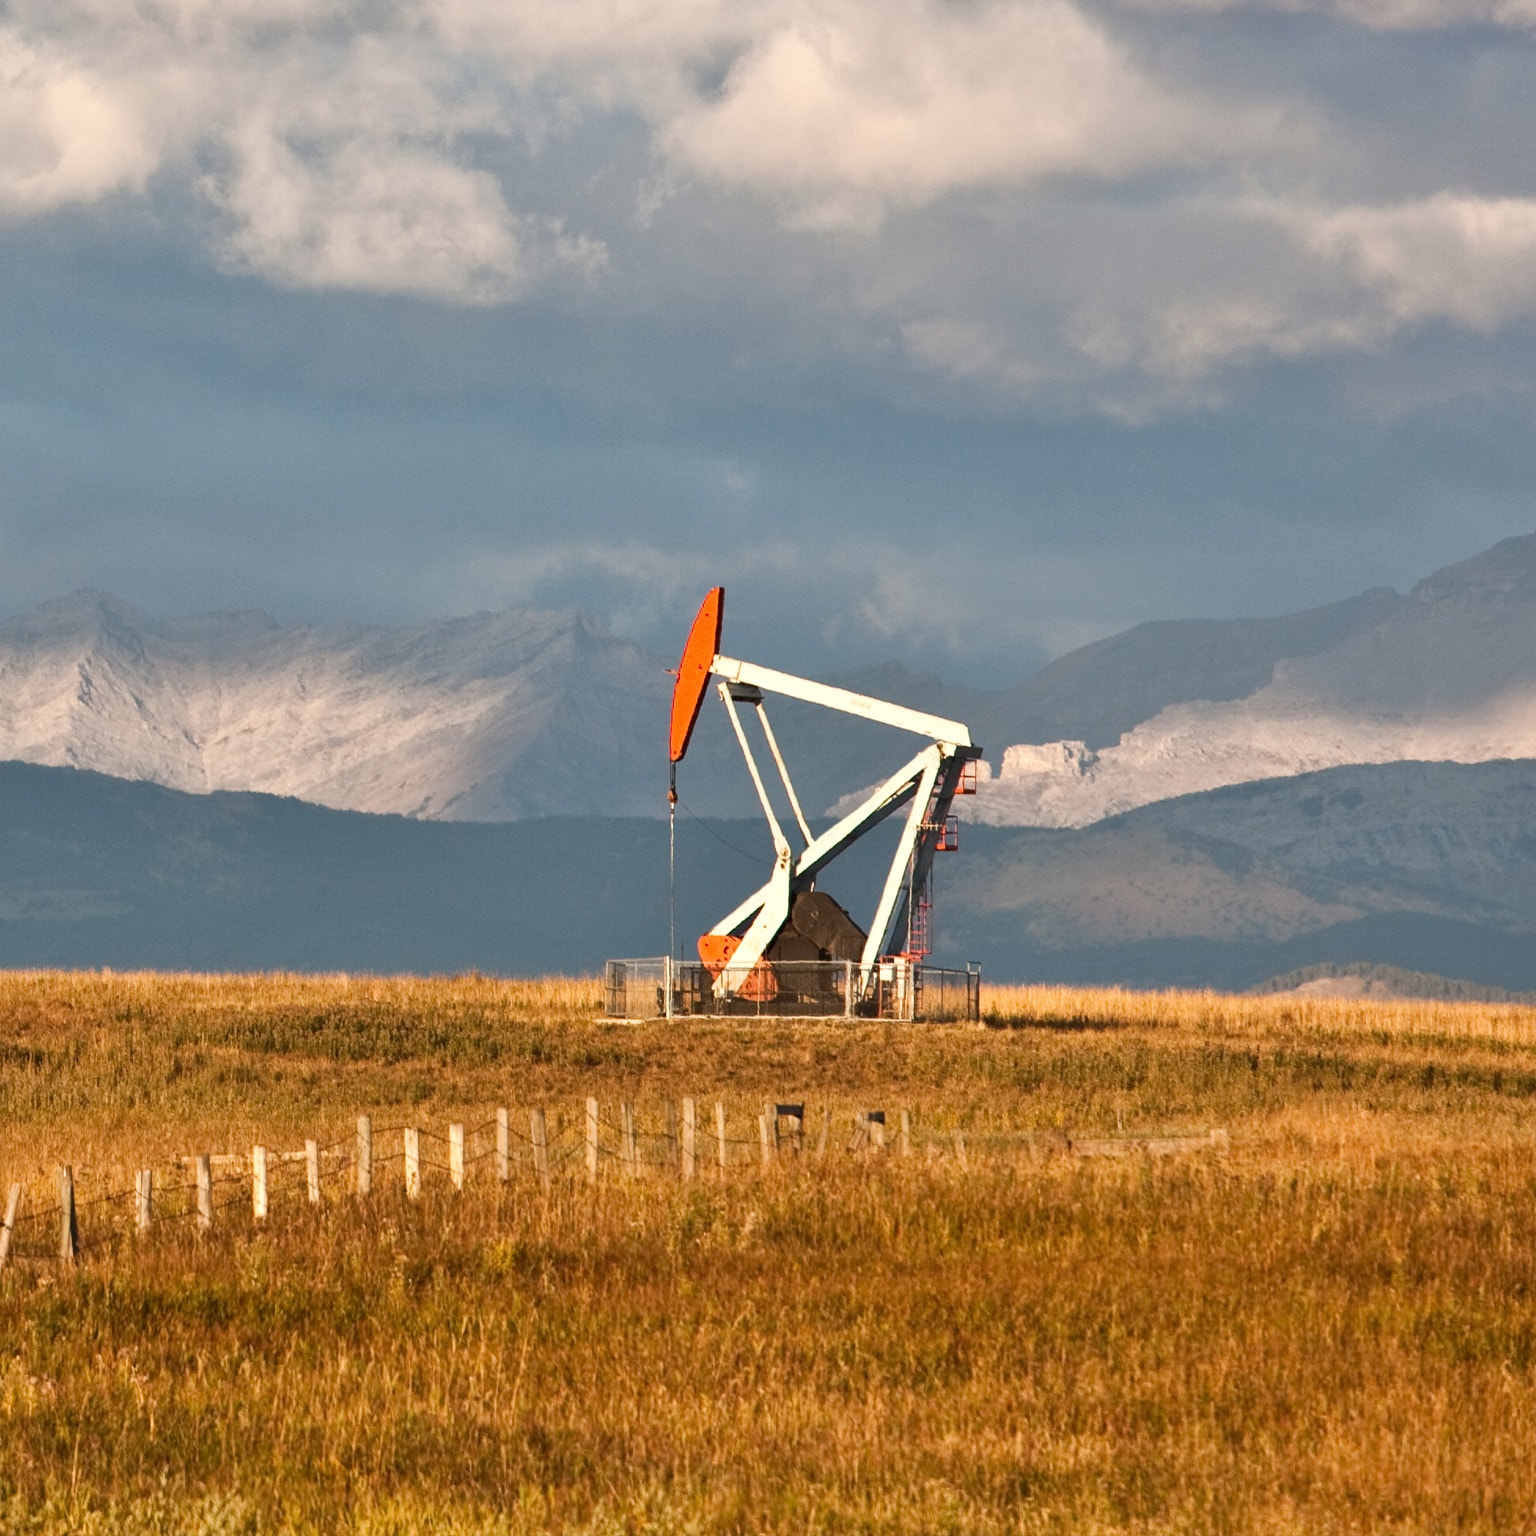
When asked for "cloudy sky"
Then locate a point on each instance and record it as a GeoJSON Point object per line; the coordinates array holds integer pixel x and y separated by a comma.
{"type": "Point", "coordinates": [956, 331]}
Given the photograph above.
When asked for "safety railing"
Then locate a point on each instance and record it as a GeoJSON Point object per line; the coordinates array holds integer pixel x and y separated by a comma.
{"type": "Point", "coordinates": [656, 987]}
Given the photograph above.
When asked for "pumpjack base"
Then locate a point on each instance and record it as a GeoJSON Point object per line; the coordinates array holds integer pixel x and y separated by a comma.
{"type": "Point", "coordinates": [812, 990]}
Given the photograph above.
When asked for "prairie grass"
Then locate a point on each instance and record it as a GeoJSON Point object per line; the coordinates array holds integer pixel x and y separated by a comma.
{"type": "Point", "coordinates": [1223, 1015]}
{"type": "Point", "coordinates": [1329, 1327]}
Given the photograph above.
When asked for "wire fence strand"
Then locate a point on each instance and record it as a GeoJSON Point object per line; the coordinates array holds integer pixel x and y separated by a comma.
{"type": "Point", "coordinates": [560, 1141]}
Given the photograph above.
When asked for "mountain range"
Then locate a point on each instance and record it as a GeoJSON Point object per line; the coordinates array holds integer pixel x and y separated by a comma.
{"type": "Point", "coordinates": [1445, 674]}
{"type": "Point", "coordinates": [1426, 867]}
{"type": "Point", "coordinates": [500, 716]}
{"type": "Point", "coordinates": [1430, 866]}
{"type": "Point", "coordinates": [1191, 803]}
{"type": "Point", "coordinates": [486, 718]}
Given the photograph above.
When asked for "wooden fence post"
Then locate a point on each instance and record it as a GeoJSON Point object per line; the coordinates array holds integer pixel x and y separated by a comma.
{"type": "Point", "coordinates": [826, 1125]}
{"type": "Point", "coordinates": [690, 1138]}
{"type": "Point", "coordinates": [669, 1131]}
{"type": "Point", "coordinates": [312, 1169]}
{"type": "Point", "coordinates": [906, 1133]}
{"type": "Point", "coordinates": [766, 1135]}
{"type": "Point", "coordinates": [629, 1148]}
{"type": "Point", "coordinates": [795, 1114]}
{"type": "Point", "coordinates": [12, 1202]}
{"type": "Point", "coordinates": [144, 1199]}
{"type": "Point", "coordinates": [69, 1228]}
{"type": "Point", "coordinates": [412, 1162]}
{"type": "Point", "coordinates": [720, 1131]}
{"type": "Point", "coordinates": [960, 1149]}
{"type": "Point", "coordinates": [592, 1125]}
{"type": "Point", "coordinates": [456, 1155]}
{"type": "Point", "coordinates": [204, 1191]}
{"type": "Point", "coordinates": [875, 1119]}
{"type": "Point", "coordinates": [538, 1133]}
{"type": "Point", "coordinates": [259, 1183]}
{"type": "Point", "coordinates": [503, 1146]}
{"type": "Point", "coordinates": [364, 1155]}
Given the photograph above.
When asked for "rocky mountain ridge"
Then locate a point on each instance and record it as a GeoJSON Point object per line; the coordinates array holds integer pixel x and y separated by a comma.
{"type": "Point", "coordinates": [1269, 861]}
{"type": "Point", "coordinates": [490, 717]}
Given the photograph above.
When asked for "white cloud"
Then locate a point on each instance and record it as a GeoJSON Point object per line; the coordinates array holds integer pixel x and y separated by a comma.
{"type": "Point", "coordinates": [345, 136]}
{"type": "Point", "coordinates": [848, 107]}
{"type": "Point", "coordinates": [1171, 307]}
{"type": "Point", "coordinates": [1061, 215]}
{"type": "Point", "coordinates": [1358, 276]}
{"type": "Point", "coordinates": [1456, 257]}
{"type": "Point", "coordinates": [341, 173]}
{"type": "Point", "coordinates": [1377, 15]}
{"type": "Point", "coordinates": [369, 218]}
{"type": "Point", "coordinates": [67, 134]}
{"type": "Point", "coordinates": [340, 150]}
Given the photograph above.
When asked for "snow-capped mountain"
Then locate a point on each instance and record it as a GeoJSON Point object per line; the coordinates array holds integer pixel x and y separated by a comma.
{"type": "Point", "coordinates": [1446, 674]}
{"type": "Point", "coordinates": [491, 717]}
{"type": "Point", "coordinates": [528, 712]}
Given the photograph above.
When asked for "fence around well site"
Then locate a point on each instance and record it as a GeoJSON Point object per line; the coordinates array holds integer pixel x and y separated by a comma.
{"type": "Point", "coordinates": [656, 987]}
{"type": "Point", "coordinates": [687, 1140]}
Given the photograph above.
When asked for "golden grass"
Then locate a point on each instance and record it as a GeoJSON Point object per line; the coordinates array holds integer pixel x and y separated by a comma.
{"type": "Point", "coordinates": [1223, 1015]}
{"type": "Point", "coordinates": [1331, 1327]}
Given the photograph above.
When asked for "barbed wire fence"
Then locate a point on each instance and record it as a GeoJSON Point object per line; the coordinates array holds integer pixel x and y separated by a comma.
{"type": "Point", "coordinates": [589, 1146]}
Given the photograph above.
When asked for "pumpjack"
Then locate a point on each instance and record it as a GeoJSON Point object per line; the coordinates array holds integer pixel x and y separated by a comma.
{"type": "Point", "coordinates": [787, 919]}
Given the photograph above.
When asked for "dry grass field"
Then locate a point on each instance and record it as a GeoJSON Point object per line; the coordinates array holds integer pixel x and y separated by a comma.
{"type": "Point", "coordinates": [1328, 1325]}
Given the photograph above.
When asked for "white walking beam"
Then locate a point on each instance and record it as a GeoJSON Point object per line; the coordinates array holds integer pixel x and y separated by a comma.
{"type": "Point", "coordinates": [791, 687]}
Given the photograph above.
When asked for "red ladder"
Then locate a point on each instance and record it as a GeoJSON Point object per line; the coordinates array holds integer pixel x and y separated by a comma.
{"type": "Point", "coordinates": [920, 924]}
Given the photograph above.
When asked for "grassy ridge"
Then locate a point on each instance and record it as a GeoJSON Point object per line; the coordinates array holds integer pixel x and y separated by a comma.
{"type": "Point", "coordinates": [1330, 1327]}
